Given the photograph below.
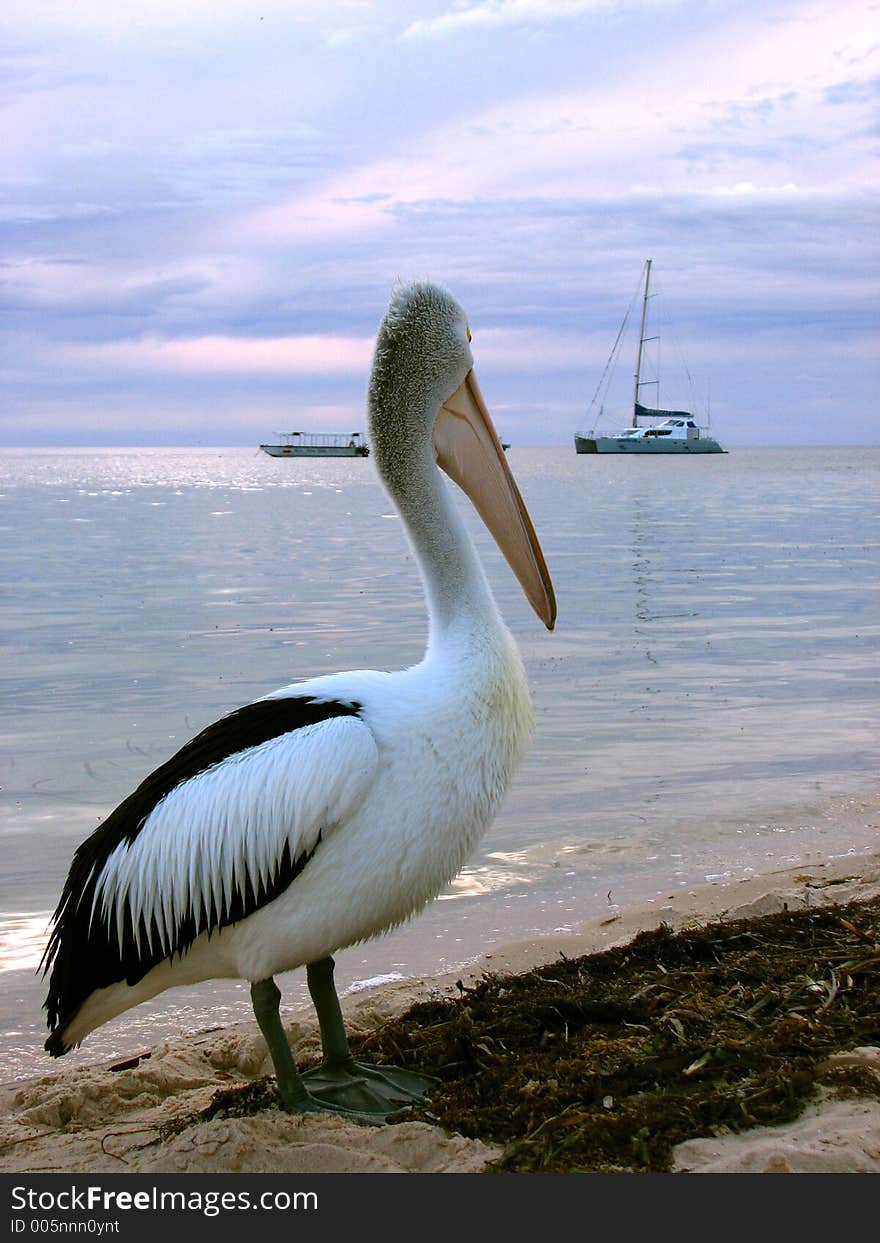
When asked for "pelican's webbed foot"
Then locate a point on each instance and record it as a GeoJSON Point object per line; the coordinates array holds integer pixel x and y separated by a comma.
{"type": "Point", "coordinates": [364, 1089]}
{"type": "Point", "coordinates": [373, 1094]}
{"type": "Point", "coordinates": [377, 1091]}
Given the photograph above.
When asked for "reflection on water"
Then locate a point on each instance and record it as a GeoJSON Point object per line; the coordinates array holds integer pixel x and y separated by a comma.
{"type": "Point", "coordinates": [474, 882]}
{"type": "Point", "coordinates": [22, 940]}
{"type": "Point", "coordinates": [706, 707]}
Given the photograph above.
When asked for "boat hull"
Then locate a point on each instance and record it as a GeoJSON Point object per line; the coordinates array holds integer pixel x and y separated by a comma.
{"type": "Point", "coordinates": [630, 446]}
{"type": "Point", "coordinates": [316, 450]}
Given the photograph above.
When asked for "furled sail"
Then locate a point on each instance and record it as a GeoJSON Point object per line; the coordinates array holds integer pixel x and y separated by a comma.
{"type": "Point", "coordinates": [642, 412]}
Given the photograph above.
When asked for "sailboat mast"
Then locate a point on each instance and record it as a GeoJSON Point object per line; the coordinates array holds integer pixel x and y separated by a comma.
{"type": "Point", "coordinates": [635, 421]}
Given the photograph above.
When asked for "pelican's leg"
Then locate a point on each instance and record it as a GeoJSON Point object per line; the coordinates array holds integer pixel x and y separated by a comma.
{"type": "Point", "coordinates": [266, 997]}
{"type": "Point", "coordinates": [340, 1080]}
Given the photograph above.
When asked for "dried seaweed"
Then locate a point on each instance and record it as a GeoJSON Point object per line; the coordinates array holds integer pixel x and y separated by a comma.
{"type": "Point", "coordinates": [606, 1062]}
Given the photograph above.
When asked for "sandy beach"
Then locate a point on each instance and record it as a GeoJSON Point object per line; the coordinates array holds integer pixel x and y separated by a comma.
{"type": "Point", "coordinates": [109, 1118]}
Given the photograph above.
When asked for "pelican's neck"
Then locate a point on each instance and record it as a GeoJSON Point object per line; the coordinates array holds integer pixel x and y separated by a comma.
{"type": "Point", "coordinates": [461, 608]}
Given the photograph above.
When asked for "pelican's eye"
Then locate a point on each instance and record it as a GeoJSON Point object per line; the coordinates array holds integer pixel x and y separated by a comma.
{"type": "Point", "coordinates": [468, 330]}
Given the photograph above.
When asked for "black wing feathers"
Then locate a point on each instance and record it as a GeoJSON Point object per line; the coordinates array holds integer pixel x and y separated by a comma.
{"type": "Point", "coordinates": [84, 954]}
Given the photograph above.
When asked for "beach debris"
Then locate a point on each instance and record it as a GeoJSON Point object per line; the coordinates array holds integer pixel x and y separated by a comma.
{"type": "Point", "coordinates": [607, 1062]}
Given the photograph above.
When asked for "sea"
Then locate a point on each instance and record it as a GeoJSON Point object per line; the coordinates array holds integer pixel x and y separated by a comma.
{"type": "Point", "coordinates": [706, 709]}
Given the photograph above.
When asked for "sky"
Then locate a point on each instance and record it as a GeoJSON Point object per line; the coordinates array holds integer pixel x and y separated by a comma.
{"type": "Point", "coordinates": [206, 204]}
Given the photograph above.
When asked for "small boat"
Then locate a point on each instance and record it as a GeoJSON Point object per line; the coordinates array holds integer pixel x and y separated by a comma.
{"type": "Point", "coordinates": [677, 430]}
{"type": "Point", "coordinates": [317, 444]}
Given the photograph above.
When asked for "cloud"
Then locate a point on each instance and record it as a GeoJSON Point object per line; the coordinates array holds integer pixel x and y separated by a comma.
{"type": "Point", "coordinates": [534, 349]}
{"type": "Point", "coordinates": [494, 13]}
{"type": "Point", "coordinates": [217, 355]}
{"type": "Point", "coordinates": [342, 208]}
{"type": "Point", "coordinates": [761, 117]}
{"type": "Point", "coordinates": [853, 91]}
{"type": "Point", "coordinates": [108, 18]}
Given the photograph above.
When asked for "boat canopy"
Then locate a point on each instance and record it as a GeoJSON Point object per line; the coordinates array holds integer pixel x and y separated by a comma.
{"type": "Point", "coordinates": [322, 438]}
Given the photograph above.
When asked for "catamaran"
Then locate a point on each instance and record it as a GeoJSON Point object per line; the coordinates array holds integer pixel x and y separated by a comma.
{"type": "Point", "coordinates": [676, 431]}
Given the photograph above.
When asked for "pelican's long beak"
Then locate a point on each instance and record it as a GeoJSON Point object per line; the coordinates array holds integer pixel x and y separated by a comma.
{"type": "Point", "coordinates": [468, 449]}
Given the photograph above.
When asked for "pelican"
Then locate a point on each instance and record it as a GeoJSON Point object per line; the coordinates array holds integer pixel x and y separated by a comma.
{"type": "Point", "coordinates": [335, 808]}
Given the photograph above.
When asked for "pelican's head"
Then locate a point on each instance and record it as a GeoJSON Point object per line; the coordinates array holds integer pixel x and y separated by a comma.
{"type": "Point", "coordinates": [422, 356]}
{"type": "Point", "coordinates": [424, 405]}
